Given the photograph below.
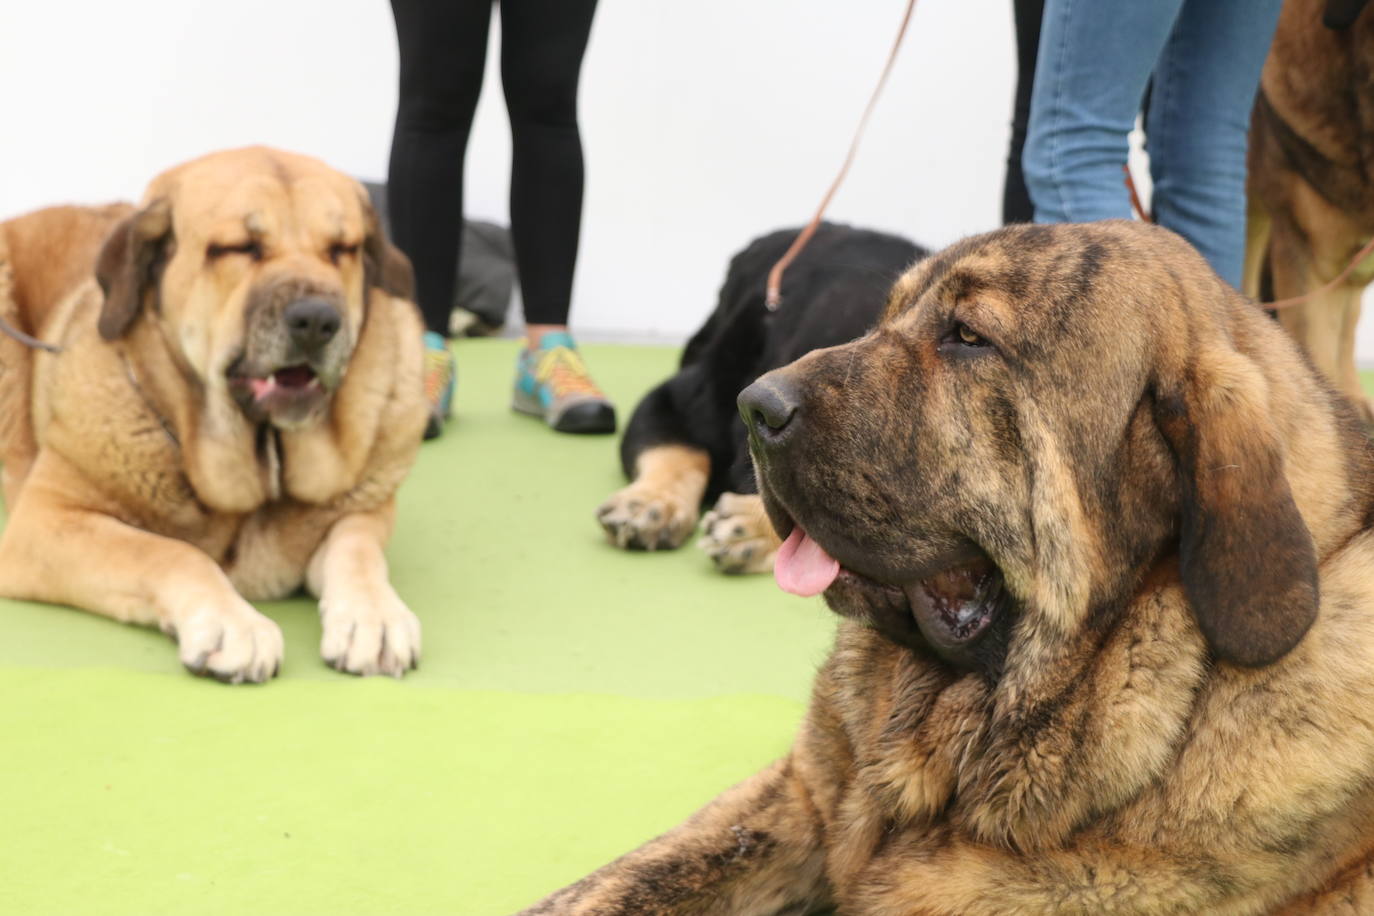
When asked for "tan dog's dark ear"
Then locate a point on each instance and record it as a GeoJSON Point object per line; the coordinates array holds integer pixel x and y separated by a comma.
{"type": "Point", "coordinates": [126, 266]}
{"type": "Point", "coordinates": [386, 265]}
{"type": "Point", "coordinates": [1247, 560]}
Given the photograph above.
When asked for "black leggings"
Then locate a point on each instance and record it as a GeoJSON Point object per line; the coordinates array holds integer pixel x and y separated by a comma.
{"type": "Point", "coordinates": [1016, 202]}
{"type": "Point", "coordinates": [443, 53]}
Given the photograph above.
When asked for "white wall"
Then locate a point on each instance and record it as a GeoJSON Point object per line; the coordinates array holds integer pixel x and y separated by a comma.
{"type": "Point", "coordinates": [705, 123]}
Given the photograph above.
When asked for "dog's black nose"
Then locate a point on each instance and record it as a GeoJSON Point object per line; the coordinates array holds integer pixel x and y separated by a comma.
{"type": "Point", "coordinates": [312, 323]}
{"type": "Point", "coordinates": [770, 406]}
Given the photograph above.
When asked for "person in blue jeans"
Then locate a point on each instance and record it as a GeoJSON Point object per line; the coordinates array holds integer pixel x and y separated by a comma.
{"type": "Point", "coordinates": [1202, 61]}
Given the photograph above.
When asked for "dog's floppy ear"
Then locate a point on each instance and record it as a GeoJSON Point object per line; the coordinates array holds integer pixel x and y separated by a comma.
{"type": "Point", "coordinates": [386, 265]}
{"type": "Point", "coordinates": [1247, 560]}
{"type": "Point", "coordinates": [127, 265]}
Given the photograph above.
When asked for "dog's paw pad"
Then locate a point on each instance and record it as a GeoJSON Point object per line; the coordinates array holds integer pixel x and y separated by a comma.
{"type": "Point", "coordinates": [641, 518]}
{"type": "Point", "coordinates": [737, 535]}
{"type": "Point", "coordinates": [369, 634]}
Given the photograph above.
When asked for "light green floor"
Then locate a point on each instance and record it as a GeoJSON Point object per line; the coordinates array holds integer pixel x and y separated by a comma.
{"type": "Point", "coordinates": [573, 702]}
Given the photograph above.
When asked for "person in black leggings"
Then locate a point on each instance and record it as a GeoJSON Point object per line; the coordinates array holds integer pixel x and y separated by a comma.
{"type": "Point", "coordinates": [443, 54]}
{"type": "Point", "coordinates": [1016, 202]}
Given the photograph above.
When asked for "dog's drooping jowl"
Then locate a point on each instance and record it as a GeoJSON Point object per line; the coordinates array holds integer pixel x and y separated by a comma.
{"type": "Point", "coordinates": [685, 446]}
{"type": "Point", "coordinates": [1100, 539]}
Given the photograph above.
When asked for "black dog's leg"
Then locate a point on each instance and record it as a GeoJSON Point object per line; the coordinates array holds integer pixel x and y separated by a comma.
{"type": "Point", "coordinates": [668, 472]}
{"type": "Point", "coordinates": [737, 535]}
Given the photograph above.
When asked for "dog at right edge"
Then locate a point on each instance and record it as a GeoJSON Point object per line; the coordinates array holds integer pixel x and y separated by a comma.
{"type": "Point", "coordinates": [1102, 543]}
{"type": "Point", "coordinates": [1311, 180]}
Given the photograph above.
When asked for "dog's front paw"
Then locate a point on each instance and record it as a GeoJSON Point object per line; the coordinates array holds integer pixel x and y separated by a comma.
{"type": "Point", "coordinates": [640, 517]}
{"type": "Point", "coordinates": [231, 644]}
{"type": "Point", "coordinates": [737, 535]}
{"type": "Point", "coordinates": [369, 633]}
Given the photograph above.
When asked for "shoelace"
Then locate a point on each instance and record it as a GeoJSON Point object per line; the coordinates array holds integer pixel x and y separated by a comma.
{"type": "Point", "coordinates": [564, 372]}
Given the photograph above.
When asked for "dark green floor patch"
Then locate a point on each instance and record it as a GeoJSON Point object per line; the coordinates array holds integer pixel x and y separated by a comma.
{"type": "Point", "coordinates": [573, 701]}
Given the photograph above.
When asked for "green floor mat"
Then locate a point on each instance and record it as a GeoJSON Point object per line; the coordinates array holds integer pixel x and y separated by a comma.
{"type": "Point", "coordinates": [573, 701]}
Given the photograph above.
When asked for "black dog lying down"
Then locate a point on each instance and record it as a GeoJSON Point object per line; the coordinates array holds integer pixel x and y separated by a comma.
{"type": "Point", "coordinates": [686, 447]}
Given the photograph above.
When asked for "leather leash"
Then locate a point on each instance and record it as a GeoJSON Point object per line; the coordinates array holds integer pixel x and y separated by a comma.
{"type": "Point", "coordinates": [25, 339]}
{"type": "Point", "coordinates": [773, 297]}
{"type": "Point", "coordinates": [1136, 203]}
{"type": "Point", "coordinates": [1299, 300]}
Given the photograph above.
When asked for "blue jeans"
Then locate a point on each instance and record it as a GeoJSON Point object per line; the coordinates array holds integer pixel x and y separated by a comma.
{"type": "Point", "coordinates": [1096, 58]}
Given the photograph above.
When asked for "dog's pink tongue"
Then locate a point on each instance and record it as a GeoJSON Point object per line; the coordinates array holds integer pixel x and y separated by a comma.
{"type": "Point", "coordinates": [262, 387]}
{"type": "Point", "coordinates": [803, 567]}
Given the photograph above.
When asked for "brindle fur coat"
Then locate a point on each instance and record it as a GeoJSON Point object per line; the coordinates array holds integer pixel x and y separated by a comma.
{"type": "Point", "coordinates": [1170, 709]}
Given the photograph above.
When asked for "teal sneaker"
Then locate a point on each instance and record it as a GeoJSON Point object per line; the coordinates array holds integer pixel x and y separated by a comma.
{"type": "Point", "coordinates": [553, 383]}
{"type": "Point", "coordinates": [441, 378]}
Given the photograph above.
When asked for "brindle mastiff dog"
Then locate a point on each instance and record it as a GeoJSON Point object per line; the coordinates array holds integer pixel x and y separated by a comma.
{"type": "Point", "coordinates": [1100, 541]}
{"type": "Point", "coordinates": [236, 400]}
{"type": "Point", "coordinates": [1311, 179]}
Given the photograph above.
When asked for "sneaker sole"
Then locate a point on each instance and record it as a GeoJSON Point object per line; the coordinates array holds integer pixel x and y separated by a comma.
{"type": "Point", "coordinates": [587, 417]}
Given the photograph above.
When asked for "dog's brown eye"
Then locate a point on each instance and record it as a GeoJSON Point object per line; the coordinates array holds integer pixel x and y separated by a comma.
{"type": "Point", "coordinates": [253, 249]}
{"type": "Point", "coordinates": [962, 335]}
{"type": "Point", "coordinates": [339, 251]}
{"type": "Point", "coordinates": [959, 340]}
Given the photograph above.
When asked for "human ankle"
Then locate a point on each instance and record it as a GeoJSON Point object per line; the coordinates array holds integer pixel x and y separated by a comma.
{"type": "Point", "coordinates": [535, 333]}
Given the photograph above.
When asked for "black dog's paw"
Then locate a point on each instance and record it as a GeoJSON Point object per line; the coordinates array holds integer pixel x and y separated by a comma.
{"type": "Point", "coordinates": [642, 517]}
{"type": "Point", "coordinates": [737, 535]}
